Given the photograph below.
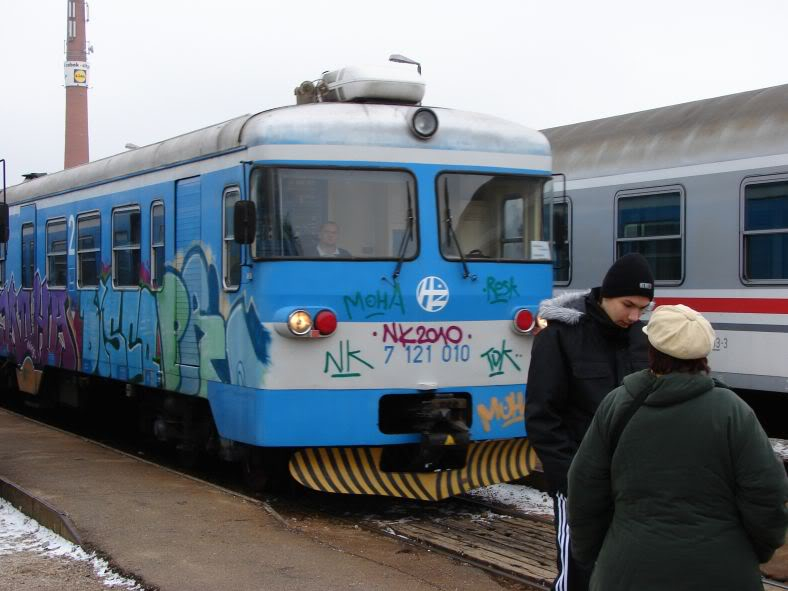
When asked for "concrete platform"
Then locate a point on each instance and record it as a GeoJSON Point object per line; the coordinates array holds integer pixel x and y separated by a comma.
{"type": "Point", "coordinates": [175, 533]}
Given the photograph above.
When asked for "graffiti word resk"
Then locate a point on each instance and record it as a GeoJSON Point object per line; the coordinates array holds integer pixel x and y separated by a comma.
{"type": "Point", "coordinates": [500, 291]}
{"type": "Point", "coordinates": [509, 412]}
{"type": "Point", "coordinates": [374, 304]}
{"type": "Point", "coordinates": [496, 357]}
{"type": "Point", "coordinates": [421, 334]}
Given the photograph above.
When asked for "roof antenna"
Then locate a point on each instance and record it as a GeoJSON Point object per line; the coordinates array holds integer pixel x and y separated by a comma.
{"type": "Point", "coordinates": [395, 57]}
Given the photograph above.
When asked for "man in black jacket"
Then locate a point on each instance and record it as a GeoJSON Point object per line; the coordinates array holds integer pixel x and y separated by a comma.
{"type": "Point", "coordinates": [592, 340]}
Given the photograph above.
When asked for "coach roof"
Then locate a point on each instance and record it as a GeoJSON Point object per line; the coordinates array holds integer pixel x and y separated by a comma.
{"type": "Point", "coordinates": [743, 125]}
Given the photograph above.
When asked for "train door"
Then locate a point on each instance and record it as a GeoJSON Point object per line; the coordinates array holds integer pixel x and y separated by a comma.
{"type": "Point", "coordinates": [27, 374]}
{"type": "Point", "coordinates": [192, 288]}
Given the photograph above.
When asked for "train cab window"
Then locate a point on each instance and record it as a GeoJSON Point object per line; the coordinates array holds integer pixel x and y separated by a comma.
{"type": "Point", "coordinates": [126, 247]}
{"type": "Point", "coordinates": [28, 255]}
{"type": "Point", "coordinates": [56, 253]}
{"type": "Point", "coordinates": [765, 233]}
{"type": "Point", "coordinates": [88, 250]}
{"type": "Point", "coordinates": [2, 264]}
{"type": "Point", "coordinates": [231, 251]}
{"type": "Point", "coordinates": [651, 223]}
{"type": "Point", "coordinates": [334, 214]}
{"type": "Point", "coordinates": [157, 245]}
{"type": "Point", "coordinates": [491, 217]}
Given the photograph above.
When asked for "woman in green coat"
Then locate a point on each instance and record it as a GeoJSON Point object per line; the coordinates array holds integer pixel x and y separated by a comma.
{"type": "Point", "coordinates": [675, 485]}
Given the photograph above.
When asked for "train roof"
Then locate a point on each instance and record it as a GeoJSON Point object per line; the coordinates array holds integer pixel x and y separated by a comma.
{"type": "Point", "coordinates": [359, 124]}
{"type": "Point", "coordinates": [742, 125]}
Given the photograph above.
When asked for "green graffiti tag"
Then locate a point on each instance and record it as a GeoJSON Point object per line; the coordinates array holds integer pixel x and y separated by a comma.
{"type": "Point", "coordinates": [496, 357]}
{"type": "Point", "coordinates": [500, 291]}
{"type": "Point", "coordinates": [374, 304]}
{"type": "Point", "coordinates": [343, 362]}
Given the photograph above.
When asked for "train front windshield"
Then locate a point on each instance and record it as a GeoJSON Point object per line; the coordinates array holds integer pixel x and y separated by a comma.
{"type": "Point", "coordinates": [343, 214]}
{"type": "Point", "coordinates": [491, 217]}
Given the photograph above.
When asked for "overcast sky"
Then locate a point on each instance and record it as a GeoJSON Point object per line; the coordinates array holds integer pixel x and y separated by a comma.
{"type": "Point", "coordinates": [165, 67]}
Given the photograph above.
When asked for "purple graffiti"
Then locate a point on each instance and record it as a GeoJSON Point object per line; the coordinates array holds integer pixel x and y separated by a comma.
{"type": "Point", "coordinates": [38, 323]}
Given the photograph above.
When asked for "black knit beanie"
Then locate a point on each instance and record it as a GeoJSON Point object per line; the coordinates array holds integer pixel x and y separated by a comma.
{"type": "Point", "coordinates": [629, 276]}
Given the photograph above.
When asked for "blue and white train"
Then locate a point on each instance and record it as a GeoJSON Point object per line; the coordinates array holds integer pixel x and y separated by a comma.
{"type": "Point", "coordinates": [352, 279]}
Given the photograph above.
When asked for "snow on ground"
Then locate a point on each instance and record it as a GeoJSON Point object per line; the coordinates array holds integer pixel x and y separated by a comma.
{"type": "Point", "coordinates": [523, 498]}
{"type": "Point", "coordinates": [20, 533]}
{"type": "Point", "coordinates": [780, 447]}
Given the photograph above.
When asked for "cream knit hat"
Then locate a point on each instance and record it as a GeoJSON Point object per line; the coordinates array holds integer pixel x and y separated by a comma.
{"type": "Point", "coordinates": [680, 331]}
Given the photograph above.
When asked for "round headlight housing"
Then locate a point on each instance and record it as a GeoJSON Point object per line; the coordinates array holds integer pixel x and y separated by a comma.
{"type": "Point", "coordinates": [424, 123]}
{"type": "Point", "coordinates": [524, 321]}
{"type": "Point", "coordinates": [299, 322]}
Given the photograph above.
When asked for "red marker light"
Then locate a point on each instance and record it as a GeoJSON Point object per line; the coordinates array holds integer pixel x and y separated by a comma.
{"type": "Point", "coordinates": [524, 321]}
{"type": "Point", "coordinates": [325, 322]}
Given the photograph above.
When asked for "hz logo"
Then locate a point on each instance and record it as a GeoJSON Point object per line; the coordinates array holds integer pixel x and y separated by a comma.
{"type": "Point", "coordinates": [432, 294]}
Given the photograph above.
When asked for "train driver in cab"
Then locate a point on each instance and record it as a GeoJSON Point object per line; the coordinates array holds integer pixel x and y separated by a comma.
{"type": "Point", "coordinates": [327, 242]}
{"type": "Point", "coordinates": [592, 340]}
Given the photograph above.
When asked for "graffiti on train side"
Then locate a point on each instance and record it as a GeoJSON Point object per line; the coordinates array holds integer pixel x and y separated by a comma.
{"type": "Point", "coordinates": [38, 323]}
{"type": "Point", "coordinates": [179, 337]}
{"type": "Point", "coordinates": [505, 413]}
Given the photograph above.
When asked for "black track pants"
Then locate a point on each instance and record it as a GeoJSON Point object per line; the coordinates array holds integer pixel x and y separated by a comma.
{"type": "Point", "coordinates": [571, 576]}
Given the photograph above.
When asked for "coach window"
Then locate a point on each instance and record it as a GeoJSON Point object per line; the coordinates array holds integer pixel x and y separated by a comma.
{"type": "Point", "coordinates": [231, 252]}
{"type": "Point", "coordinates": [157, 245]}
{"type": "Point", "coordinates": [651, 224]}
{"type": "Point", "coordinates": [56, 253]}
{"type": "Point", "coordinates": [2, 264]}
{"type": "Point", "coordinates": [765, 233]}
{"type": "Point", "coordinates": [126, 247]}
{"type": "Point", "coordinates": [88, 250]}
{"type": "Point", "coordinates": [28, 255]}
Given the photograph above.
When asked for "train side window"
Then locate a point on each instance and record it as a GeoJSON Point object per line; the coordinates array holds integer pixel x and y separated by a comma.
{"type": "Point", "coordinates": [562, 211]}
{"type": "Point", "coordinates": [28, 255]}
{"type": "Point", "coordinates": [765, 232]}
{"type": "Point", "coordinates": [157, 245]}
{"type": "Point", "coordinates": [126, 247]}
{"type": "Point", "coordinates": [2, 264]}
{"type": "Point", "coordinates": [231, 250]}
{"type": "Point", "coordinates": [56, 253]}
{"type": "Point", "coordinates": [651, 223]}
{"type": "Point", "coordinates": [88, 250]}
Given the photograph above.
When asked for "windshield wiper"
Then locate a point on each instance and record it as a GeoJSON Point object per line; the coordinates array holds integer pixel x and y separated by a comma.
{"type": "Point", "coordinates": [403, 246]}
{"type": "Point", "coordinates": [452, 235]}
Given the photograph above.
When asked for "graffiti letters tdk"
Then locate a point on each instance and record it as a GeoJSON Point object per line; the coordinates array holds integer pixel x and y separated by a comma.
{"type": "Point", "coordinates": [496, 358]}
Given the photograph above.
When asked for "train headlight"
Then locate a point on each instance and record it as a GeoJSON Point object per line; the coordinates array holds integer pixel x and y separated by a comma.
{"type": "Point", "coordinates": [524, 321]}
{"type": "Point", "coordinates": [299, 322]}
{"type": "Point", "coordinates": [424, 123]}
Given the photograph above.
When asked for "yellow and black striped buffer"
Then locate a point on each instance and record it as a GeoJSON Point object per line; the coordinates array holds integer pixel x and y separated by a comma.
{"type": "Point", "coordinates": [356, 470]}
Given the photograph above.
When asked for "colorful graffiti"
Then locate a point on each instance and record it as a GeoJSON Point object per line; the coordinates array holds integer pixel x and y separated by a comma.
{"type": "Point", "coordinates": [509, 412]}
{"type": "Point", "coordinates": [177, 337]}
{"type": "Point", "coordinates": [38, 323]}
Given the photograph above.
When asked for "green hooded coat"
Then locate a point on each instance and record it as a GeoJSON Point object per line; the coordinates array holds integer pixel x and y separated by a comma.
{"type": "Point", "coordinates": [692, 498]}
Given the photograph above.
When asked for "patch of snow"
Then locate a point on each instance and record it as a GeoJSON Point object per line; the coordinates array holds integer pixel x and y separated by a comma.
{"type": "Point", "coordinates": [20, 533]}
{"type": "Point", "coordinates": [780, 447]}
{"type": "Point", "coordinates": [519, 497]}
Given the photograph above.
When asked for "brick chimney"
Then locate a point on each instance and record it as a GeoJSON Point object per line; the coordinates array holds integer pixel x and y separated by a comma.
{"type": "Point", "coordinates": [76, 74]}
